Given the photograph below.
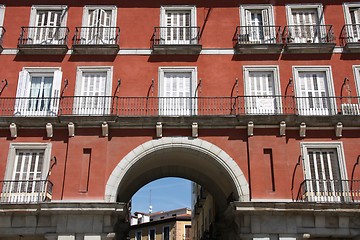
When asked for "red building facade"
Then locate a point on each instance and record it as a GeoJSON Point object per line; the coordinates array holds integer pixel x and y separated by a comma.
{"type": "Point", "coordinates": [255, 101]}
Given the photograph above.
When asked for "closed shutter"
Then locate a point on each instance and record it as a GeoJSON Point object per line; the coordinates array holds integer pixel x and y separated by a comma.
{"type": "Point", "coordinates": [306, 27]}
{"type": "Point", "coordinates": [176, 94]}
{"type": "Point", "coordinates": [324, 174]}
{"type": "Point", "coordinates": [261, 89]}
{"type": "Point", "coordinates": [314, 97]}
{"type": "Point", "coordinates": [246, 35]}
{"type": "Point", "coordinates": [268, 32]}
{"type": "Point", "coordinates": [22, 93]}
{"type": "Point", "coordinates": [354, 33]}
{"type": "Point", "coordinates": [178, 27]}
{"type": "Point", "coordinates": [46, 31]}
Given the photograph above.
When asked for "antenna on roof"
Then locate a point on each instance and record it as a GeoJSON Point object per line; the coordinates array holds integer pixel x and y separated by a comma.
{"type": "Point", "coordinates": [150, 207]}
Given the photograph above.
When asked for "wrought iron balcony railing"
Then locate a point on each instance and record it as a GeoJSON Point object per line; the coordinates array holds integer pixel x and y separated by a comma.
{"type": "Point", "coordinates": [97, 36]}
{"type": "Point", "coordinates": [25, 191]}
{"type": "Point", "coordinates": [317, 190]}
{"type": "Point", "coordinates": [350, 33]}
{"type": "Point", "coordinates": [309, 34]}
{"type": "Point", "coordinates": [2, 32]}
{"type": "Point", "coordinates": [176, 36]}
{"type": "Point", "coordinates": [258, 35]}
{"type": "Point", "coordinates": [44, 36]}
{"type": "Point", "coordinates": [178, 106]}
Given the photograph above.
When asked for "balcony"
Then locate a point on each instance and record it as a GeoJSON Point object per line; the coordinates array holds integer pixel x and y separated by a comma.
{"type": "Point", "coordinates": [178, 106]}
{"type": "Point", "coordinates": [43, 40]}
{"type": "Point", "coordinates": [25, 191]}
{"type": "Point", "coordinates": [350, 37]}
{"type": "Point", "coordinates": [258, 39]}
{"type": "Point", "coordinates": [176, 40]}
{"type": "Point", "coordinates": [2, 32]}
{"type": "Point", "coordinates": [96, 40]}
{"type": "Point", "coordinates": [309, 39]}
{"type": "Point", "coordinates": [329, 191]}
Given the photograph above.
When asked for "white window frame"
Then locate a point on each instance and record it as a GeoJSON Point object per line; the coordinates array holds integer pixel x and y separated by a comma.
{"type": "Point", "coordinates": [36, 8]}
{"type": "Point", "coordinates": [39, 71]}
{"type": "Point", "coordinates": [190, 8]}
{"type": "Point", "coordinates": [163, 232]}
{"type": "Point", "coordinates": [264, 68]}
{"type": "Point", "coordinates": [2, 14]}
{"type": "Point", "coordinates": [356, 70]}
{"type": "Point", "coordinates": [317, 6]}
{"type": "Point", "coordinates": [338, 146]}
{"type": "Point", "coordinates": [136, 234]}
{"type": "Point", "coordinates": [346, 7]}
{"type": "Point", "coordinates": [191, 70]}
{"type": "Point", "coordinates": [46, 147]}
{"type": "Point", "coordinates": [185, 230]}
{"type": "Point", "coordinates": [329, 80]}
{"type": "Point", "coordinates": [250, 7]}
{"type": "Point", "coordinates": [154, 233]}
{"type": "Point", "coordinates": [109, 77]}
{"type": "Point", "coordinates": [88, 8]}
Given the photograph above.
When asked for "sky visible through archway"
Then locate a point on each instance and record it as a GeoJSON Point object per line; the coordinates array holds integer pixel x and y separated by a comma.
{"type": "Point", "coordinates": [166, 194]}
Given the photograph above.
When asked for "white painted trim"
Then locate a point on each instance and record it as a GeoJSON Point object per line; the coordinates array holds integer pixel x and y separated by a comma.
{"type": "Point", "coordinates": [136, 233]}
{"type": "Point", "coordinates": [317, 6]}
{"type": "Point", "coordinates": [346, 8]}
{"type": "Point", "coordinates": [41, 69]}
{"type": "Point", "coordinates": [241, 190]}
{"type": "Point", "coordinates": [36, 8]}
{"type": "Point", "coordinates": [149, 232]}
{"type": "Point", "coordinates": [268, 7]}
{"type": "Point", "coordinates": [109, 77]}
{"type": "Point", "coordinates": [27, 146]}
{"type": "Point", "coordinates": [163, 70]}
{"type": "Point", "coordinates": [326, 69]}
{"type": "Point", "coordinates": [162, 235]}
{"type": "Point", "coordinates": [190, 8]}
{"type": "Point", "coordinates": [356, 70]}
{"type": "Point", "coordinates": [87, 8]}
{"type": "Point", "coordinates": [2, 14]}
{"type": "Point", "coordinates": [324, 145]}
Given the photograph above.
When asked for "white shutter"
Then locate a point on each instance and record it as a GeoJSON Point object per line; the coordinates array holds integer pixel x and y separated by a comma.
{"type": "Point", "coordinates": [261, 99]}
{"type": "Point", "coordinates": [55, 92]}
{"type": "Point", "coordinates": [267, 31]}
{"type": "Point", "coordinates": [22, 93]}
{"type": "Point", "coordinates": [248, 30]}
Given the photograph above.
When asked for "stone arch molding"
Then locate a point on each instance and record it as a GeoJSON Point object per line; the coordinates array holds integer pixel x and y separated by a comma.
{"type": "Point", "coordinates": [221, 157]}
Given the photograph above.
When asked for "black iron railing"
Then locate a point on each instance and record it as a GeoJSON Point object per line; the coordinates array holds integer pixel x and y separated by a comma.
{"type": "Point", "coordinates": [97, 36]}
{"type": "Point", "coordinates": [317, 190]}
{"type": "Point", "coordinates": [179, 106]}
{"type": "Point", "coordinates": [309, 34]}
{"type": "Point", "coordinates": [2, 32]}
{"type": "Point", "coordinates": [44, 36]}
{"type": "Point", "coordinates": [25, 191]}
{"type": "Point", "coordinates": [176, 35]}
{"type": "Point", "coordinates": [258, 35]}
{"type": "Point", "coordinates": [350, 33]}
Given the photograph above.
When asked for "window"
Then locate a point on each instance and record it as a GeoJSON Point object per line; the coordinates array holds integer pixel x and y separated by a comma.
{"type": "Point", "coordinates": [352, 19]}
{"type": "Point", "coordinates": [26, 171]}
{"type": "Point", "coordinates": [45, 24]}
{"type": "Point", "coordinates": [166, 233]}
{"type": "Point", "coordinates": [178, 25]}
{"type": "Point", "coordinates": [187, 235]}
{"type": "Point", "coordinates": [324, 168]}
{"type": "Point", "coordinates": [314, 89]}
{"type": "Point", "coordinates": [138, 235]}
{"type": "Point", "coordinates": [262, 89]}
{"type": "Point", "coordinates": [152, 234]}
{"type": "Point", "coordinates": [2, 14]}
{"type": "Point", "coordinates": [176, 89]}
{"type": "Point", "coordinates": [99, 25]}
{"type": "Point", "coordinates": [259, 24]}
{"type": "Point", "coordinates": [93, 90]}
{"type": "Point", "coordinates": [38, 92]}
{"type": "Point", "coordinates": [306, 23]}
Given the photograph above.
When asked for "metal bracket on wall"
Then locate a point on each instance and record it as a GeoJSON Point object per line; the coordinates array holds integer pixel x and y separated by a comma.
{"type": "Point", "coordinates": [3, 85]}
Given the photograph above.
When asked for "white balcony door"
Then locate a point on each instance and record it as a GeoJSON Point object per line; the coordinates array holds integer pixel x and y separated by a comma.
{"type": "Point", "coordinates": [257, 23]}
{"type": "Point", "coordinates": [306, 26]}
{"type": "Point", "coordinates": [38, 94]}
{"type": "Point", "coordinates": [24, 185]}
{"type": "Point", "coordinates": [314, 95]}
{"type": "Point", "coordinates": [177, 29]}
{"type": "Point", "coordinates": [176, 95]}
{"type": "Point", "coordinates": [99, 21]}
{"type": "Point", "coordinates": [92, 100]}
{"type": "Point", "coordinates": [355, 28]}
{"type": "Point", "coordinates": [260, 93]}
{"type": "Point", "coordinates": [46, 31]}
{"type": "Point", "coordinates": [322, 168]}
